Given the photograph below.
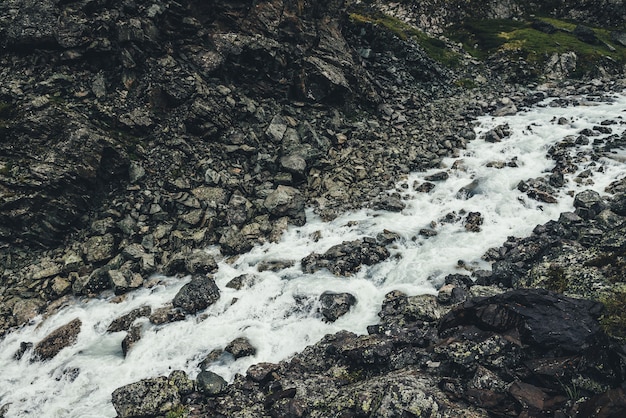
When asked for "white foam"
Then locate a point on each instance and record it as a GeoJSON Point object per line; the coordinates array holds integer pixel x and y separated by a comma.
{"type": "Point", "coordinates": [268, 314]}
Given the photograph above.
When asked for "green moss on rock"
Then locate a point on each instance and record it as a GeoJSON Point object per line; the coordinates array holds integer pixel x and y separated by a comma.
{"type": "Point", "coordinates": [435, 48]}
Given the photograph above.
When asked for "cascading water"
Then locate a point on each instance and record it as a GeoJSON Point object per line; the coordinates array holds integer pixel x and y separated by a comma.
{"type": "Point", "coordinates": [278, 312]}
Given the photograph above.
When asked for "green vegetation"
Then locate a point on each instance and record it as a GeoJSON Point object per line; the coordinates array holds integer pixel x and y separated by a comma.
{"type": "Point", "coordinates": [481, 38]}
{"type": "Point", "coordinates": [434, 48]}
{"type": "Point", "coordinates": [614, 319]}
{"type": "Point", "coordinates": [179, 412]}
{"type": "Point", "coordinates": [556, 280]}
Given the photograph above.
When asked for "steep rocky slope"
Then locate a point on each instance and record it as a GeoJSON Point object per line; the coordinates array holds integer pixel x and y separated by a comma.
{"type": "Point", "coordinates": [133, 133]}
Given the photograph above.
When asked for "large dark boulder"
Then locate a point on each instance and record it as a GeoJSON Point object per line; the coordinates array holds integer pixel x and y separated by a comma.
{"type": "Point", "coordinates": [198, 294]}
{"type": "Point", "coordinates": [543, 319]}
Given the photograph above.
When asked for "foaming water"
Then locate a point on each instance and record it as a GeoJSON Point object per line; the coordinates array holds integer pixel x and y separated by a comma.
{"type": "Point", "coordinates": [278, 313]}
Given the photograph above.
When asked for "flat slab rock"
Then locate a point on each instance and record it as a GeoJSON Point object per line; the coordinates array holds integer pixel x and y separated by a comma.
{"type": "Point", "coordinates": [542, 318]}
{"type": "Point", "coordinates": [57, 340]}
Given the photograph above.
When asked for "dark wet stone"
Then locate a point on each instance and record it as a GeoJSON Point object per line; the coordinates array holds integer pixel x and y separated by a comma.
{"type": "Point", "coordinates": [210, 383]}
{"type": "Point", "coordinates": [57, 340]}
{"type": "Point", "coordinates": [134, 335]}
{"type": "Point", "coordinates": [198, 294]}
{"type": "Point", "coordinates": [240, 347]}
{"type": "Point", "coordinates": [542, 318]}
{"type": "Point", "coordinates": [346, 258]}
{"type": "Point", "coordinates": [335, 305]}
{"type": "Point", "coordinates": [124, 322]}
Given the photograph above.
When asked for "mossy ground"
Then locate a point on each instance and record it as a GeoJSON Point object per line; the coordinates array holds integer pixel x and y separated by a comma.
{"type": "Point", "coordinates": [614, 319]}
{"type": "Point", "coordinates": [482, 38]}
{"type": "Point", "coordinates": [434, 48]}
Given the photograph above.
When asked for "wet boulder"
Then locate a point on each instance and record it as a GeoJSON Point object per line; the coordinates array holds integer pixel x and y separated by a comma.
{"type": "Point", "coordinates": [543, 319]}
{"type": "Point", "coordinates": [240, 347]}
{"type": "Point", "coordinates": [57, 340]}
{"type": "Point", "coordinates": [124, 322]}
{"type": "Point", "coordinates": [335, 305]}
{"type": "Point", "coordinates": [210, 383]}
{"type": "Point", "coordinates": [346, 258]}
{"type": "Point", "coordinates": [497, 134]}
{"type": "Point", "coordinates": [198, 294]}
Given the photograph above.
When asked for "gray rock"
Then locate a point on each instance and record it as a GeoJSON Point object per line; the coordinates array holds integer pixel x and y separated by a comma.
{"type": "Point", "coordinates": [589, 204]}
{"type": "Point", "coordinates": [242, 281]}
{"type": "Point", "coordinates": [182, 382]}
{"type": "Point", "coordinates": [148, 397]}
{"type": "Point", "coordinates": [26, 309]}
{"type": "Point", "coordinates": [233, 241]}
{"type": "Point", "coordinates": [200, 262]}
{"type": "Point", "coordinates": [346, 258]}
{"type": "Point", "coordinates": [335, 305]}
{"type": "Point", "coordinates": [133, 335]}
{"type": "Point", "coordinates": [391, 203]}
{"type": "Point", "coordinates": [166, 315]}
{"type": "Point", "coordinates": [276, 129]}
{"type": "Point", "coordinates": [619, 38]}
{"type": "Point", "coordinates": [286, 201]}
{"type": "Point", "coordinates": [585, 34]}
{"type": "Point", "coordinates": [240, 347]}
{"type": "Point", "coordinates": [209, 383]}
{"type": "Point", "coordinates": [473, 221]}
{"type": "Point", "coordinates": [198, 294]}
{"type": "Point", "coordinates": [57, 340]}
{"type": "Point", "coordinates": [239, 210]}
{"type": "Point", "coordinates": [439, 176]}
{"type": "Point", "coordinates": [123, 282]}
{"type": "Point", "coordinates": [99, 248]}
{"type": "Point", "coordinates": [294, 164]}
{"type": "Point", "coordinates": [124, 322]}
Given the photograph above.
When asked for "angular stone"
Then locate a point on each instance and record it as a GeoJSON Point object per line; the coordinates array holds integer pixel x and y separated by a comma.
{"type": "Point", "coordinates": [542, 318]}
{"type": "Point", "coordinates": [134, 335]}
{"type": "Point", "coordinates": [200, 262]}
{"type": "Point", "coordinates": [335, 305]}
{"type": "Point", "coordinates": [124, 322]}
{"type": "Point", "coordinates": [148, 397]}
{"type": "Point", "coordinates": [57, 340]}
{"type": "Point", "coordinates": [286, 201]}
{"type": "Point", "coordinates": [198, 294]}
{"type": "Point", "coordinates": [240, 347]}
{"type": "Point", "coordinates": [99, 248]}
{"type": "Point", "coordinates": [122, 282]}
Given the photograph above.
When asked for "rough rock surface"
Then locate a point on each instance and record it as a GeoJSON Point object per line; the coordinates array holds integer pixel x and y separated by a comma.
{"type": "Point", "coordinates": [198, 294]}
{"type": "Point", "coordinates": [346, 258]}
{"type": "Point", "coordinates": [148, 397]}
{"type": "Point", "coordinates": [137, 134]}
{"type": "Point", "coordinates": [488, 356]}
{"type": "Point", "coordinates": [57, 340]}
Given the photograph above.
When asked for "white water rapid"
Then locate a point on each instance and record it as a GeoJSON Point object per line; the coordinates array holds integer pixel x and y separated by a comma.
{"type": "Point", "coordinates": [78, 382]}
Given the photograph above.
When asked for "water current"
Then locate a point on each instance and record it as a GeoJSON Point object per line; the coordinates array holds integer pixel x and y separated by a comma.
{"type": "Point", "coordinates": [279, 313]}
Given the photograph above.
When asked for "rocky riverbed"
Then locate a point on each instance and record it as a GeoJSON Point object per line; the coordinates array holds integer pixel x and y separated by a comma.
{"type": "Point", "coordinates": [135, 135]}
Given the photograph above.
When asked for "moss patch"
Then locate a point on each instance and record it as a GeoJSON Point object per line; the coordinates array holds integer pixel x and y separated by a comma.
{"type": "Point", "coordinates": [614, 319]}
{"type": "Point", "coordinates": [434, 48]}
{"type": "Point", "coordinates": [482, 38]}
{"type": "Point", "coordinates": [6, 113]}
